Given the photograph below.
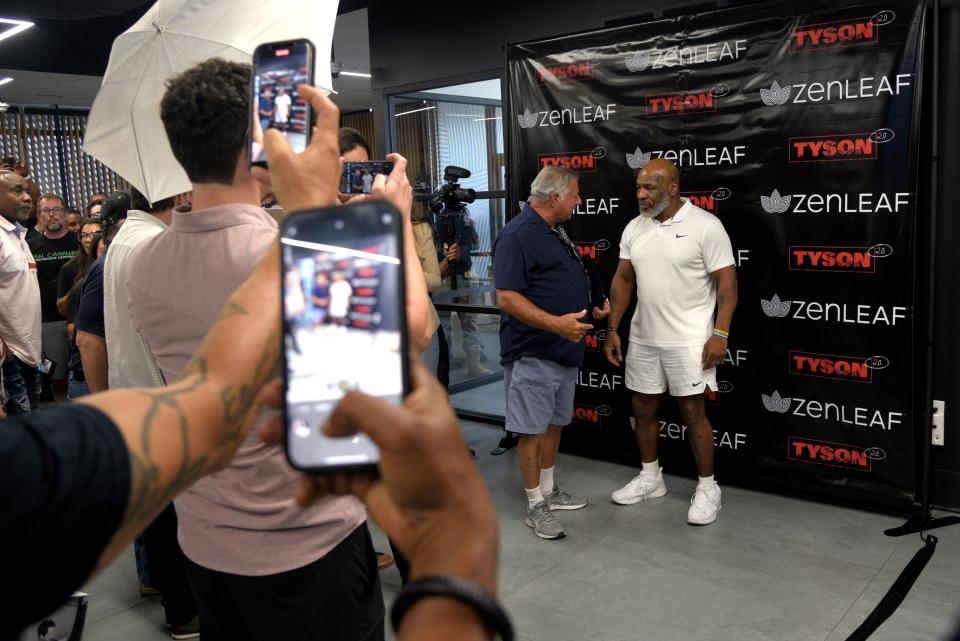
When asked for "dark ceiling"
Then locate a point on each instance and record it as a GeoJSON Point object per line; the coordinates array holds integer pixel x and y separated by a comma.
{"type": "Point", "coordinates": [75, 36]}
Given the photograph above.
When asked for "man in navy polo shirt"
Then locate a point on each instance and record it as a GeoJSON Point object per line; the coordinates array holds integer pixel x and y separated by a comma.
{"type": "Point", "coordinates": [543, 291]}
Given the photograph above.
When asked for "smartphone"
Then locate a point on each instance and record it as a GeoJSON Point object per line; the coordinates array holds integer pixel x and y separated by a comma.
{"type": "Point", "coordinates": [344, 326]}
{"type": "Point", "coordinates": [278, 69]}
{"type": "Point", "coordinates": [358, 176]}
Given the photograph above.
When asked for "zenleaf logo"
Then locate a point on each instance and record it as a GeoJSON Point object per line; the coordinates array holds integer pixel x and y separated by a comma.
{"type": "Point", "coordinates": [775, 203]}
{"type": "Point", "coordinates": [851, 457]}
{"type": "Point", "coordinates": [590, 414]}
{"type": "Point", "coordinates": [776, 403]}
{"type": "Point", "coordinates": [708, 200]}
{"type": "Point", "coordinates": [582, 161]}
{"type": "Point", "coordinates": [857, 369]}
{"type": "Point", "coordinates": [527, 119]}
{"type": "Point", "coordinates": [638, 61]}
{"type": "Point", "coordinates": [856, 260]}
{"type": "Point", "coordinates": [838, 147]}
{"type": "Point", "coordinates": [864, 203]}
{"type": "Point", "coordinates": [840, 33]}
{"type": "Point", "coordinates": [775, 95]}
{"type": "Point", "coordinates": [591, 251]}
{"type": "Point", "coordinates": [685, 56]}
{"type": "Point", "coordinates": [638, 159]}
{"type": "Point", "coordinates": [775, 308]}
{"type": "Point", "coordinates": [566, 116]}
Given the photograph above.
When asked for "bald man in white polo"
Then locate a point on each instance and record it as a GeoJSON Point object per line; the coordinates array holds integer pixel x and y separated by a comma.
{"type": "Point", "coordinates": [678, 260]}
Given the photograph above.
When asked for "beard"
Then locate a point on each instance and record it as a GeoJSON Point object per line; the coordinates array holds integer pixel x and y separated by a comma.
{"type": "Point", "coordinates": [54, 227]}
{"type": "Point", "coordinates": [656, 208]}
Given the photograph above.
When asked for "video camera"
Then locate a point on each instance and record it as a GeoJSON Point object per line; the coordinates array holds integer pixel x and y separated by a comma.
{"type": "Point", "coordinates": [448, 204]}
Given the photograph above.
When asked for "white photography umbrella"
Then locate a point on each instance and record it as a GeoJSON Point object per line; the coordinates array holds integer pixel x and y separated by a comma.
{"type": "Point", "coordinates": [124, 130]}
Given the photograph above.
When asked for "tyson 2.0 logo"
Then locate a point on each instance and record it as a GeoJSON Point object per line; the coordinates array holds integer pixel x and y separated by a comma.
{"type": "Point", "coordinates": [857, 369]}
{"type": "Point", "coordinates": [590, 414]}
{"type": "Point", "coordinates": [851, 260]}
{"type": "Point", "coordinates": [582, 161]}
{"type": "Point", "coordinates": [708, 200]}
{"type": "Point", "coordinates": [840, 33]}
{"type": "Point", "coordinates": [566, 72]}
{"type": "Point", "coordinates": [675, 104]}
{"type": "Point", "coordinates": [594, 340]}
{"type": "Point", "coordinates": [591, 251]}
{"type": "Point", "coordinates": [838, 147]}
{"type": "Point", "coordinates": [853, 457]}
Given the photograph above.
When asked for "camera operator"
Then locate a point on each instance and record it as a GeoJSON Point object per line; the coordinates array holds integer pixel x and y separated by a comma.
{"type": "Point", "coordinates": [456, 236]}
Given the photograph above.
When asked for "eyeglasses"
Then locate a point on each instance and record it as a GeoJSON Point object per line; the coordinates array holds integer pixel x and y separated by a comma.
{"type": "Point", "coordinates": [51, 210]}
{"type": "Point", "coordinates": [86, 235]}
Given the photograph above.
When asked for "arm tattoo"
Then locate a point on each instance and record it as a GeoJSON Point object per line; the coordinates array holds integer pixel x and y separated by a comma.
{"type": "Point", "coordinates": [148, 492]}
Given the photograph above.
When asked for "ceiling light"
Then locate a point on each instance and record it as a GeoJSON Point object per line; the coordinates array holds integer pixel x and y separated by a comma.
{"type": "Point", "coordinates": [494, 118]}
{"type": "Point", "coordinates": [4, 81]}
{"type": "Point", "coordinates": [18, 26]}
{"type": "Point", "coordinates": [412, 111]}
{"type": "Point", "coordinates": [355, 73]}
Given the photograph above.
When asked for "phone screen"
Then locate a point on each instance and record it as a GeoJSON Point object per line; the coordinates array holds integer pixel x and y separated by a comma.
{"type": "Point", "coordinates": [278, 69]}
{"type": "Point", "coordinates": [358, 176]}
{"type": "Point", "coordinates": [344, 328]}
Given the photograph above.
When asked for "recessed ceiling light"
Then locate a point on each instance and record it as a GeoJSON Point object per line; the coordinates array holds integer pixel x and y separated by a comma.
{"type": "Point", "coordinates": [18, 26]}
{"type": "Point", "coordinates": [355, 73]}
{"type": "Point", "coordinates": [4, 81]}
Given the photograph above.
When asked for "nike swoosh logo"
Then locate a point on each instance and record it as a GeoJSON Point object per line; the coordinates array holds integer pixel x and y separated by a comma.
{"type": "Point", "coordinates": [697, 383]}
{"type": "Point", "coordinates": [681, 235]}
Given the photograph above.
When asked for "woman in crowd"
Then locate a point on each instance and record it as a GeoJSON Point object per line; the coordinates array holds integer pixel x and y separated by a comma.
{"type": "Point", "coordinates": [68, 294]}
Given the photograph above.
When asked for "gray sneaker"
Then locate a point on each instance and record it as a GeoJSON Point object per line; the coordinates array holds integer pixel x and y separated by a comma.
{"type": "Point", "coordinates": [563, 500]}
{"type": "Point", "coordinates": [544, 523]}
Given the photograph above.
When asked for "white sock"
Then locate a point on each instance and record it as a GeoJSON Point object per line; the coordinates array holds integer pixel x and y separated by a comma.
{"type": "Point", "coordinates": [652, 469]}
{"type": "Point", "coordinates": [706, 481]}
{"type": "Point", "coordinates": [546, 480]}
{"type": "Point", "coordinates": [534, 496]}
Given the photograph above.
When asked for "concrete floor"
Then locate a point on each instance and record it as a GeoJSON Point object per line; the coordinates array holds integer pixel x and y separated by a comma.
{"type": "Point", "coordinates": [770, 569]}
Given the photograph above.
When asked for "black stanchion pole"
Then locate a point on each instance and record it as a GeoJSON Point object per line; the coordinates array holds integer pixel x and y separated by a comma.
{"type": "Point", "coordinates": [923, 520]}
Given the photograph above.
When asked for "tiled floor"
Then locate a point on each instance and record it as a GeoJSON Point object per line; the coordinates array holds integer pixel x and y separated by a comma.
{"type": "Point", "coordinates": [770, 569]}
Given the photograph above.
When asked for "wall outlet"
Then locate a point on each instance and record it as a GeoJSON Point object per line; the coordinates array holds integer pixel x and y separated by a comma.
{"type": "Point", "coordinates": [939, 407]}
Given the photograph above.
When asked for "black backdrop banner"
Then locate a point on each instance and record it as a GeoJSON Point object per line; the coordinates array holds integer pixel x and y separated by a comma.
{"type": "Point", "coordinates": [797, 127]}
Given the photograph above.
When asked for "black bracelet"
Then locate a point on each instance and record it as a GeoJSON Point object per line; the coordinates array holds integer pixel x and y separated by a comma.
{"type": "Point", "coordinates": [612, 328]}
{"type": "Point", "coordinates": [486, 605]}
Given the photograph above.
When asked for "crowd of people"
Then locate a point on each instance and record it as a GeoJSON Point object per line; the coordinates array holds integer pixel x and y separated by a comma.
{"type": "Point", "coordinates": [160, 322]}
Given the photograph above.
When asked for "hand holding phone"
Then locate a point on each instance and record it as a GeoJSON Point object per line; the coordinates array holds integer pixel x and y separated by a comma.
{"type": "Point", "coordinates": [279, 69]}
{"type": "Point", "coordinates": [344, 325]}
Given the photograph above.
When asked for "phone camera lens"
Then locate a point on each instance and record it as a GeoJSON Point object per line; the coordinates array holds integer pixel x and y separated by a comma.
{"type": "Point", "coordinates": [338, 224]}
{"type": "Point", "coordinates": [386, 219]}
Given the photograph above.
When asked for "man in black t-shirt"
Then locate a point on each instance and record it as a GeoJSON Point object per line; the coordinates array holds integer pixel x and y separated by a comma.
{"type": "Point", "coordinates": [52, 250]}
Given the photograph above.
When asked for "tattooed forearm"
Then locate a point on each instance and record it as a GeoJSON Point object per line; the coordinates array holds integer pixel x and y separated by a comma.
{"type": "Point", "coordinates": [172, 416]}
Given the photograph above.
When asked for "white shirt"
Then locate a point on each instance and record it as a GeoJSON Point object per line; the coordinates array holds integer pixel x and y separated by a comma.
{"type": "Point", "coordinates": [19, 296]}
{"type": "Point", "coordinates": [281, 106]}
{"type": "Point", "coordinates": [676, 295]}
{"type": "Point", "coordinates": [129, 364]}
{"type": "Point", "coordinates": [340, 292]}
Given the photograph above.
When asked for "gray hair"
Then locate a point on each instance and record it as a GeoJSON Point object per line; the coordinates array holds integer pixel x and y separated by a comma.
{"type": "Point", "coordinates": [555, 179]}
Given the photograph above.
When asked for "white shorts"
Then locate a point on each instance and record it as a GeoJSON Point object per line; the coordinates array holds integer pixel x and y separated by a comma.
{"type": "Point", "coordinates": [651, 370]}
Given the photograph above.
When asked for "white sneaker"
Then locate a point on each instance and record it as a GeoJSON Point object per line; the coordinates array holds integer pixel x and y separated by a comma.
{"type": "Point", "coordinates": [704, 505]}
{"type": "Point", "coordinates": [640, 488]}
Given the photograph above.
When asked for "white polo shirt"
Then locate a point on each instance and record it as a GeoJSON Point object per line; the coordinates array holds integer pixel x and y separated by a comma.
{"type": "Point", "coordinates": [676, 295]}
{"type": "Point", "coordinates": [128, 362]}
{"type": "Point", "coordinates": [19, 295]}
